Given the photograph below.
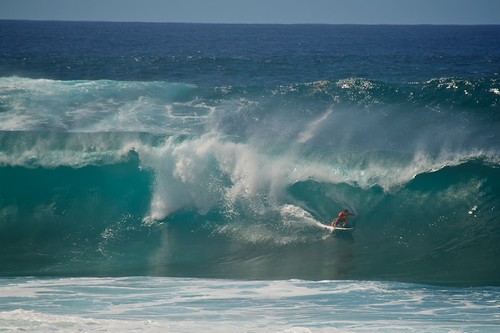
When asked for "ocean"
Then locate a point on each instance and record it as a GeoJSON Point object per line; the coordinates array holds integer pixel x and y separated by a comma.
{"type": "Point", "coordinates": [163, 177]}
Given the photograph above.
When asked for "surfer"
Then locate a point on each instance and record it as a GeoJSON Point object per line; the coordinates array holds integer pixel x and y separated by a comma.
{"type": "Point", "coordinates": [343, 218]}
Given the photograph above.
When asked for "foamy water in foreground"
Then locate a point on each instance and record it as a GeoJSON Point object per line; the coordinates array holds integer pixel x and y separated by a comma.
{"type": "Point", "coordinates": [149, 304]}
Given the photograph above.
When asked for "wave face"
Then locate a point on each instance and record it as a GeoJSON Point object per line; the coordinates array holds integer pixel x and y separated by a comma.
{"type": "Point", "coordinates": [227, 176]}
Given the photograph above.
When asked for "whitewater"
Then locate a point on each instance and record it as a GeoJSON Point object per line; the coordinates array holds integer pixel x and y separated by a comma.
{"type": "Point", "coordinates": [174, 177]}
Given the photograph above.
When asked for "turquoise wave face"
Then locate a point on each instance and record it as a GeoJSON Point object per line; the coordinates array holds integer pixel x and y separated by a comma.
{"type": "Point", "coordinates": [152, 178]}
{"type": "Point", "coordinates": [208, 217]}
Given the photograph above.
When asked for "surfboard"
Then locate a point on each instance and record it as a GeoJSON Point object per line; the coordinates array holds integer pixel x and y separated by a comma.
{"type": "Point", "coordinates": [342, 229]}
{"type": "Point", "coordinates": [332, 229]}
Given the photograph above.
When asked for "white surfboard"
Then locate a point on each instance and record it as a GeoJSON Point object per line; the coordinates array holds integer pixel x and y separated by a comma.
{"type": "Point", "coordinates": [332, 229]}
{"type": "Point", "coordinates": [342, 229]}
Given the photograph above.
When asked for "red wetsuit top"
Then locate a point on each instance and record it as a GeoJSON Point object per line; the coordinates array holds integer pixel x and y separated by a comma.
{"type": "Point", "coordinates": [342, 216]}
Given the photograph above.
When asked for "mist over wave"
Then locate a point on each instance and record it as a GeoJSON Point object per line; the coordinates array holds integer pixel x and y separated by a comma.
{"type": "Point", "coordinates": [434, 117]}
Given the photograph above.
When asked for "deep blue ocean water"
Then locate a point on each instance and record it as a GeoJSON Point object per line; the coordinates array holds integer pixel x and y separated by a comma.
{"type": "Point", "coordinates": [205, 157]}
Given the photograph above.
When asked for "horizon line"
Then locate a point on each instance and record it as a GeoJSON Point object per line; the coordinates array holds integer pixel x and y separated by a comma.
{"type": "Point", "coordinates": [247, 23]}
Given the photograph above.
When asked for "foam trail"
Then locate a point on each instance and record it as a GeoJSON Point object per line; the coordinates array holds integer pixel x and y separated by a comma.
{"type": "Point", "coordinates": [309, 132]}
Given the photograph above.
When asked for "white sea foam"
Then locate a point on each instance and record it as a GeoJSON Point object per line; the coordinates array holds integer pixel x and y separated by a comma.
{"type": "Point", "coordinates": [94, 105]}
{"type": "Point", "coordinates": [186, 305]}
{"type": "Point", "coordinates": [211, 171]}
